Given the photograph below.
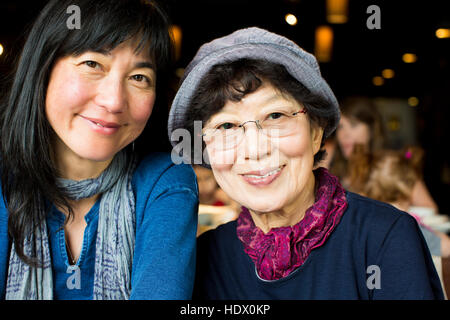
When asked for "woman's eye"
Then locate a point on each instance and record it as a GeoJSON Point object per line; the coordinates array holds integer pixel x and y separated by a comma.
{"type": "Point", "coordinates": [226, 126]}
{"type": "Point", "coordinates": [91, 64]}
{"type": "Point", "coordinates": [140, 78]}
{"type": "Point", "coordinates": [275, 115]}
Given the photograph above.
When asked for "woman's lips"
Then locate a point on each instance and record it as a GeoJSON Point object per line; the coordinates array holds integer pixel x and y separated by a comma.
{"type": "Point", "coordinates": [101, 126]}
{"type": "Point", "coordinates": [262, 177]}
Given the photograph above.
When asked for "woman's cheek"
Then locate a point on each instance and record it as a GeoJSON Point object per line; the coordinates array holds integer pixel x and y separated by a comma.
{"type": "Point", "coordinates": [221, 160]}
{"type": "Point", "coordinates": [292, 147]}
{"type": "Point", "coordinates": [141, 108]}
{"type": "Point", "coordinates": [65, 97]}
{"type": "Point", "coordinates": [140, 111]}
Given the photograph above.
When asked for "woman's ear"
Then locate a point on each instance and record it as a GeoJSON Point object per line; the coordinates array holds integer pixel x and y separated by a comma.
{"type": "Point", "coordinates": [316, 137]}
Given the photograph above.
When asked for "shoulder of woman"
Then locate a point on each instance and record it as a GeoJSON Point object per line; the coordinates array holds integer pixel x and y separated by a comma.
{"type": "Point", "coordinates": [219, 241]}
{"type": "Point", "coordinates": [379, 225]}
{"type": "Point", "coordinates": [158, 169]}
{"type": "Point", "coordinates": [375, 215]}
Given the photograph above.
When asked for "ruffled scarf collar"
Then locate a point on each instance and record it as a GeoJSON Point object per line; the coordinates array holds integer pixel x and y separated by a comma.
{"type": "Point", "coordinates": [282, 250]}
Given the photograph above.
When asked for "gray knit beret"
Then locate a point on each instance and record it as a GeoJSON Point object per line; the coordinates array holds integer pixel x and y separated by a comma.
{"type": "Point", "coordinates": [253, 43]}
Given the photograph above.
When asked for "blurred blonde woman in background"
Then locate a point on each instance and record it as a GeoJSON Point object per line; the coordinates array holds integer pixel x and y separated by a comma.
{"type": "Point", "coordinates": [391, 177]}
{"type": "Point", "coordinates": [361, 124]}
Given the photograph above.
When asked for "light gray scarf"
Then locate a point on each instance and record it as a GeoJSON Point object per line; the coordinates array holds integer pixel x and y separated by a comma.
{"type": "Point", "coordinates": [114, 243]}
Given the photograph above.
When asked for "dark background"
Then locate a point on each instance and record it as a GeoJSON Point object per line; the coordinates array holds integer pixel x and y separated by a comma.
{"type": "Point", "coordinates": [359, 54]}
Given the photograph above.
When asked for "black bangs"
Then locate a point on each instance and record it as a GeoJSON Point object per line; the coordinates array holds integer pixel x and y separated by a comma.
{"type": "Point", "coordinates": [106, 24]}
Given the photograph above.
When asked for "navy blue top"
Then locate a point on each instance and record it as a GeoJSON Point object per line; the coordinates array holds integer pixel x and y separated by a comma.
{"type": "Point", "coordinates": [166, 225]}
{"type": "Point", "coordinates": [375, 252]}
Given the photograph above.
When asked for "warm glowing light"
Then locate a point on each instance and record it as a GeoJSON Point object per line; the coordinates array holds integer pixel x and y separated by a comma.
{"type": "Point", "coordinates": [176, 35]}
{"type": "Point", "coordinates": [1, 49]}
{"type": "Point", "coordinates": [337, 11]}
{"type": "Point", "coordinates": [291, 19]}
{"type": "Point", "coordinates": [388, 73]}
{"type": "Point", "coordinates": [324, 43]}
{"type": "Point", "coordinates": [377, 81]}
{"type": "Point", "coordinates": [413, 101]}
{"type": "Point", "coordinates": [180, 72]}
{"type": "Point", "coordinates": [409, 58]}
{"type": "Point", "coordinates": [393, 124]}
{"type": "Point", "coordinates": [443, 33]}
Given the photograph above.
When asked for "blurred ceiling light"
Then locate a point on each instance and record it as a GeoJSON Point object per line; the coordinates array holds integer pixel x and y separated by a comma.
{"type": "Point", "coordinates": [180, 72]}
{"type": "Point", "coordinates": [388, 73]}
{"type": "Point", "coordinates": [324, 43]}
{"type": "Point", "coordinates": [337, 11]}
{"type": "Point", "coordinates": [413, 101]}
{"type": "Point", "coordinates": [176, 35]}
{"type": "Point", "coordinates": [443, 33]}
{"type": "Point", "coordinates": [409, 58]}
{"type": "Point", "coordinates": [393, 124]}
{"type": "Point", "coordinates": [291, 19]}
{"type": "Point", "coordinates": [1, 49]}
{"type": "Point", "coordinates": [377, 81]}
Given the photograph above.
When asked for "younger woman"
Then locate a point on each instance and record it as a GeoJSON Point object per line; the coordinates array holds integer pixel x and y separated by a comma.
{"type": "Point", "coordinates": [85, 213]}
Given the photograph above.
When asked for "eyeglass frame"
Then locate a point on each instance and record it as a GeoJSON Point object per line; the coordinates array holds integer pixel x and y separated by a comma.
{"type": "Point", "coordinates": [257, 122]}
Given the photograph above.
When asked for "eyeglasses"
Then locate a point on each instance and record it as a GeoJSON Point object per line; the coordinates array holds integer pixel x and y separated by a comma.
{"type": "Point", "coordinates": [228, 135]}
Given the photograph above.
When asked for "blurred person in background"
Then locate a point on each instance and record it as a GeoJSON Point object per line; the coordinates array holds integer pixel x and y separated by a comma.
{"type": "Point", "coordinates": [209, 191]}
{"type": "Point", "coordinates": [390, 177]}
{"type": "Point", "coordinates": [361, 124]}
{"type": "Point", "coordinates": [215, 206]}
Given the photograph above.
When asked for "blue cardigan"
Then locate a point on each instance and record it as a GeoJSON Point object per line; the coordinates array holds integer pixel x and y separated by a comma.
{"type": "Point", "coordinates": [375, 252]}
{"type": "Point", "coordinates": [166, 224]}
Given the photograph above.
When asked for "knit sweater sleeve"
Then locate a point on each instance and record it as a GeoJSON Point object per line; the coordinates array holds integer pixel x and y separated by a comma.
{"type": "Point", "coordinates": [164, 256]}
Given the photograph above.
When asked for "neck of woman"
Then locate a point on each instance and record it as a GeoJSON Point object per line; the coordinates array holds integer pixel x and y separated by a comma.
{"type": "Point", "coordinates": [73, 167]}
{"type": "Point", "coordinates": [289, 215]}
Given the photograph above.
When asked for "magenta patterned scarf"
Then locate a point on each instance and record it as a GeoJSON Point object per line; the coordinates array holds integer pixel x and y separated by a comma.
{"type": "Point", "coordinates": [280, 251]}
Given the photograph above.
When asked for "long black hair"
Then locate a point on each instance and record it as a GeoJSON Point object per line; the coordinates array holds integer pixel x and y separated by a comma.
{"type": "Point", "coordinates": [28, 173]}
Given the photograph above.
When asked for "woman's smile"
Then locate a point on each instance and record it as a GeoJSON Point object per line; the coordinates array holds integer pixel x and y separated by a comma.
{"type": "Point", "coordinates": [262, 178]}
{"type": "Point", "coordinates": [101, 126]}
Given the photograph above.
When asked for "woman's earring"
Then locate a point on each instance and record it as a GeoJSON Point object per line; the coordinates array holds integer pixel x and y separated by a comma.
{"type": "Point", "coordinates": [132, 146]}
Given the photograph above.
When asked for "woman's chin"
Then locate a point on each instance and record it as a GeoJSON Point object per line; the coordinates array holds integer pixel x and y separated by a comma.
{"type": "Point", "coordinates": [263, 206]}
{"type": "Point", "coordinates": [96, 154]}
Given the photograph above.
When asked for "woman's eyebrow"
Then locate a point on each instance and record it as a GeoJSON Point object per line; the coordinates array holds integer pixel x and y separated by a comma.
{"type": "Point", "coordinates": [144, 64]}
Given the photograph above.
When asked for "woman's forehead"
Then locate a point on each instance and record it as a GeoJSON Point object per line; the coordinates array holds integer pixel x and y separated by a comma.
{"type": "Point", "coordinates": [139, 46]}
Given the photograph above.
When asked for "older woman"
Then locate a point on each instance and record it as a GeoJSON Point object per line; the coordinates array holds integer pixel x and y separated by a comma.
{"type": "Point", "coordinates": [87, 213]}
{"type": "Point", "coordinates": [265, 112]}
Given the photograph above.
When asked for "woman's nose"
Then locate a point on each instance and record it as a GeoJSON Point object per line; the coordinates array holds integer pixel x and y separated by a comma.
{"type": "Point", "coordinates": [111, 94]}
{"type": "Point", "coordinates": [255, 145]}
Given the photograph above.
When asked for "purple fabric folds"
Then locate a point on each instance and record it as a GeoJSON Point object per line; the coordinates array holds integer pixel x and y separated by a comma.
{"type": "Point", "coordinates": [282, 250]}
